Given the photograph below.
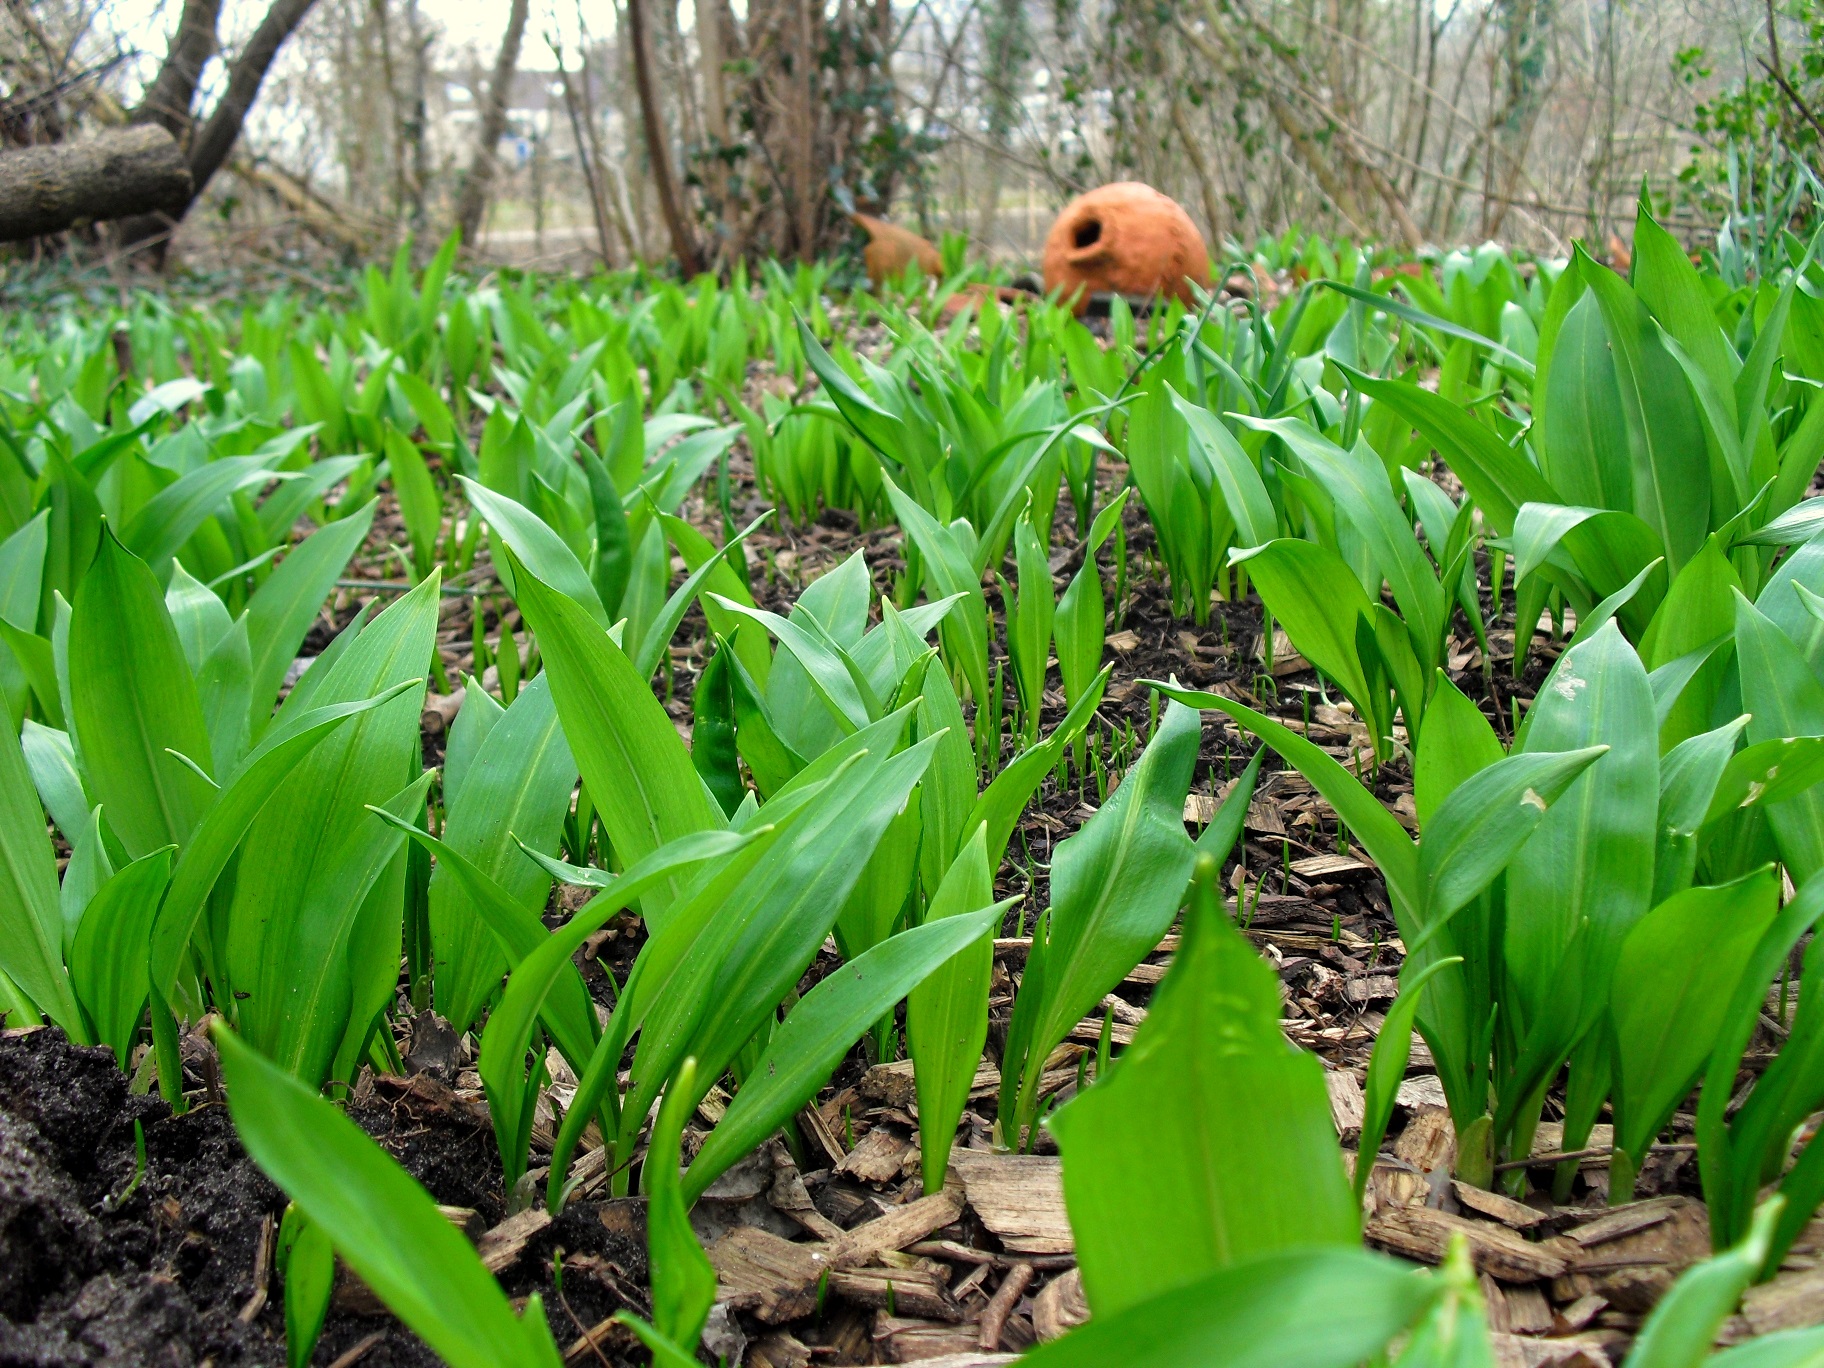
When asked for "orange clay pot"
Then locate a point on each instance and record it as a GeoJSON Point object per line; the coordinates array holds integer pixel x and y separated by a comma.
{"type": "Point", "coordinates": [1126, 239]}
{"type": "Point", "coordinates": [891, 249]}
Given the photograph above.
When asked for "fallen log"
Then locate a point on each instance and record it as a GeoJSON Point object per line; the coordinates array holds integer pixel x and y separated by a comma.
{"type": "Point", "coordinates": [116, 173]}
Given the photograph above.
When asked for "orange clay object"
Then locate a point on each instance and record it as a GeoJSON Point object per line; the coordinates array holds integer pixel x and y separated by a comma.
{"type": "Point", "coordinates": [891, 249]}
{"type": "Point", "coordinates": [1126, 239]}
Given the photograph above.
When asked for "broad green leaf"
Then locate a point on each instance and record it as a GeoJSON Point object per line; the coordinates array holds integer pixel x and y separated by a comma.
{"type": "Point", "coordinates": [812, 1040]}
{"type": "Point", "coordinates": [1457, 742]}
{"type": "Point", "coordinates": [31, 926]}
{"type": "Point", "coordinates": [1589, 862]}
{"type": "Point", "coordinates": [1314, 595]}
{"type": "Point", "coordinates": [517, 787]}
{"type": "Point", "coordinates": [683, 1282]}
{"type": "Point", "coordinates": [420, 505]}
{"type": "Point", "coordinates": [135, 702]}
{"type": "Point", "coordinates": [1498, 477]}
{"type": "Point", "coordinates": [1237, 473]}
{"type": "Point", "coordinates": [1115, 887]}
{"type": "Point", "coordinates": [1670, 994]}
{"type": "Point", "coordinates": [281, 610]}
{"type": "Point", "coordinates": [1210, 1142]}
{"type": "Point", "coordinates": [320, 850]}
{"type": "Point", "coordinates": [1387, 1067]}
{"type": "Point", "coordinates": [1785, 698]}
{"type": "Point", "coordinates": [947, 1014]}
{"type": "Point", "coordinates": [383, 1224]}
{"type": "Point", "coordinates": [1580, 429]}
{"type": "Point", "coordinates": [108, 959]}
{"type": "Point", "coordinates": [159, 530]}
{"type": "Point", "coordinates": [632, 760]}
{"type": "Point", "coordinates": [535, 549]}
{"type": "Point", "coordinates": [219, 834]}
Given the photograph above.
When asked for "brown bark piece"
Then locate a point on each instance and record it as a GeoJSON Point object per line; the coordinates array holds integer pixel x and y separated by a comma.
{"type": "Point", "coordinates": [1060, 1306]}
{"type": "Point", "coordinates": [877, 1156]}
{"type": "Point", "coordinates": [912, 1291]}
{"type": "Point", "coordinates": [1347, 1106]}
{"type": "Point", "coordinates": [1422, 1234]}
{"type": "Point", "coordinates": [501, 1247]}
{"type": "Point", "coordinates": [1792, 1301]}
{"type": "Point", "coordinates": [1506, 1210]}
{"type": "Point", "coordinates": [759, 1272]}
{"type": "Point", "coordinates": [901, 1226]}
{"type": "Point", "coordinates": [1020, 1197]}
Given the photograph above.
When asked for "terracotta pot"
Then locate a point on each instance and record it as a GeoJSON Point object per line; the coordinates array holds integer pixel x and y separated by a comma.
{"type": "Point", "coordinates": [1127, 239]}
{"type": "Point", "coordinates": [891, 249]}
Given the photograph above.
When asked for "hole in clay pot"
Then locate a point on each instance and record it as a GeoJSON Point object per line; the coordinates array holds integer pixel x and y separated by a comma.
{"type": "Point", "coordinates": [1089, 231]}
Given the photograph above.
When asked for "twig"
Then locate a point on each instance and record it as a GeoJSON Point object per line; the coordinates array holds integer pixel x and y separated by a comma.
{"type": "Point", "coordinates": [1559, 1156]}
{"type": "Point", "coordinates": [262, 1273]}
{"type": "Point", "coordinates": [1000, 1306]}
{"type": "Point", "coordinates": [358, 1352]}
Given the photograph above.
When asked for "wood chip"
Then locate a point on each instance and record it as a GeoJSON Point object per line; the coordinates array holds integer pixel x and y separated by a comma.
{"type": "Point", "coordinates": [1347, 1106]}
{"type": "Point", "coordinates": [1506, 1210]}
{"type": "Point", "coordinates": [900, 1227]}
{"type": "Point", "coordinates": [1572, 1318]}
{"type": "Point", "coordinates": [779, 1350]}
{"type": "Point", "coordinates": [1519, 1351]}
{"type": "Point", "coordinates": [913, 1291]}
{"type": "Point", "coordinates": [1329, 866]}
{"type": "Point", "coordinates": [1623, 1220]}
{"type": "Point", "coordinates": [759, 1272]}
{"type": "Point", "coordinates": [501, 1247]}
{"type": "Point", "coordinates": [909, 1339]}
{"type": "Point", "coordinates": [1792, 1301]}
{"type": "Point", "coordinates": [1516, 1310]}
{"type": "Point", "coordinates": [1060, 1306]}
{"type": "Point", "coordinates": [1001, 1305]}
{"type": "Point", "coordinates": [877, 1156]}
{"type": "Point", "coordinates": [1020, 1197]}
{"type": "Point", "coordinates": [1421, 1090]}
{"type": "Point", "coordinates": [1423, 1234]}
{"type": "Point", "coordinates": [1127, 640]}
{"type": "Point", "coordinates": [822, 1140]}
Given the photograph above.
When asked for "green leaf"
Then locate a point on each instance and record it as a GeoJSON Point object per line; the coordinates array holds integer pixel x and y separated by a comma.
{"type": "Point", "coordinates": [31, 925]}
{"type": "Point", "coordinates": [517, 788]}
{"type": "Point", "coordinates": [1387, 1067]}
{"type": "Point", "coordinates": [510, 1025]}
{"type": "Point", "coordinates": [281, 610]}
{"type": "Point", "coordinates": [294, 908]}
{"type": "Point", "coordinates": [1378, 830]}
{"type": "Point", "coordinates": [219, 834]}
{"type": "Point", "coordinates": [384, 1225]}
{"type": "Point", "coordinates": [108, 959]}
{"type": "Point", "coordinates": [1782, 1349]}
{"type": "Point", "coordinates": [1586, 874]}
{"type": "Point", "coordinates": [1318, 600]}
{"type": "Point", "coordinates": [631, 758]}
{"type": "Point", "coordinates": [1237, 474]}
{"type": "Point", "coordinates": [420, 505]}
{"type": "Point", "coordinates": [1115, 887]}
{"type": "Point", "coordinates": [307, 1262]}
{"type": "Point", "coordinates": [1265, 1313]}
{"type": "Point", "coordinates": [530, 546]}
{"type": "Point", "coordinates": [1498, 477]}
{"type": "Point", "coordinates": [158, 530]}
{"type": "Point", "coordinates": [683, 1282]}
{"type": "Point", "coordinates": [1670, 996]}
{"type": "Point", "coordinates": [812, 1040]}
{"type": "Point", "coordinates": [134, 701]}
{"type": "Point", "coordinates": [947, 1014]}
{"type": "Point", "coordinates": [1457, 742]}
{"type": "Point", "coordinates": [1786, 699]}
{"type": "Point", "coordinates": [1210, 1142]}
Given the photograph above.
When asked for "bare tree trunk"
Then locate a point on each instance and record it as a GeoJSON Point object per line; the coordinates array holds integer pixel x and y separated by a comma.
{"type": "Point", "coordinates": [212, 143]}
{"type": "Point", "coordinates": [585, 153]}
{"type": "Point", "coordinates": [650, 116]}
{"type": "Point", "coordinates": [173, 90]}
{"type": "Point", "coordinates": [474, 197]}
{"type": "Point", "coordinates": [217, 136]}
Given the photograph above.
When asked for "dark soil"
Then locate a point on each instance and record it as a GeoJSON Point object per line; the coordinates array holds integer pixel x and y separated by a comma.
{"type": "Point", "coordinates": [172, 1275]}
